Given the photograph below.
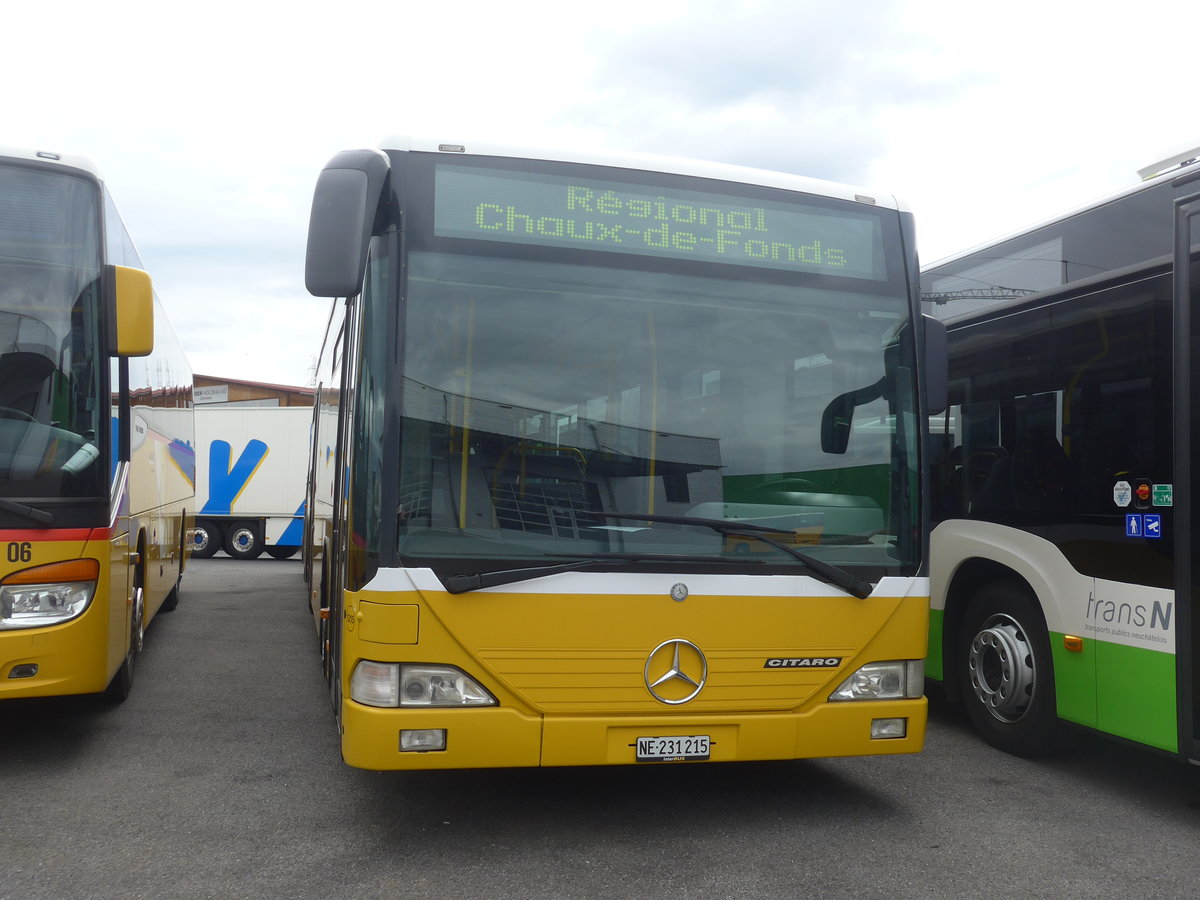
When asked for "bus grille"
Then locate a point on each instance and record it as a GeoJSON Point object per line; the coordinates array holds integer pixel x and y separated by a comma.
{"type": "Point", "coordinates": [583, 682]}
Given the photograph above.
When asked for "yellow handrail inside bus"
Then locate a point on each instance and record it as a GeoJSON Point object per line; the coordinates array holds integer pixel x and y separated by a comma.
{"type": "Point", "coordinates": [653, 410]}
{"type": "Point", "coordinates": [466, 418]}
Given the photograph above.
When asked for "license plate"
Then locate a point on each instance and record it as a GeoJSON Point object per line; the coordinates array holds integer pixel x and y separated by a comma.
{"type": "Point", "coordinates": [673, 748]}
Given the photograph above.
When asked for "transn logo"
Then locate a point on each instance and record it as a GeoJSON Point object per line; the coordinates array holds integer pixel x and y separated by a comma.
{"type": "Point", "coordinates": [1156, 616]}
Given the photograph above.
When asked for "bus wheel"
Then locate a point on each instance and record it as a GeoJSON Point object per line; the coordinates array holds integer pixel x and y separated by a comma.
{"type": "Point", "coordinates": [171, 601]}
{"type": "Point", "coordinates": [283, 552]}
{"type": "Point", "coordinates": [122, 682]}
{"type": "Point", "coordinates": [206, 540]}
{"type": "Point", "coordinates": [323, 630]}
{"type": "Point", "coordinates": [1006, 669]}
{"type": "Point", "coordinates": [242, 541]}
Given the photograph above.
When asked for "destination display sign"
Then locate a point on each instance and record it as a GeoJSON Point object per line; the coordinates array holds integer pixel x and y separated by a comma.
{"type": "Point", "coordinates": [561, 211]}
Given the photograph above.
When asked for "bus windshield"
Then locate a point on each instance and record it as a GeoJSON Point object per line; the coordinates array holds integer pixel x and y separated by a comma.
{"type": "Point", "coordinates": [50, 346]}
{"type": "Point", "coordinates": [558, 395]}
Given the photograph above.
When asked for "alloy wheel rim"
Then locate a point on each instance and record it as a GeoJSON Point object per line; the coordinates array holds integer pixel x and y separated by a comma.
{"type": "Point", "coordinates": [1001, 668]}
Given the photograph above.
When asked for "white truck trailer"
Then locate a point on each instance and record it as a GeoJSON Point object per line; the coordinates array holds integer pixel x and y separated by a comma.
{"type": "Point", "coordinates": [251, 474]}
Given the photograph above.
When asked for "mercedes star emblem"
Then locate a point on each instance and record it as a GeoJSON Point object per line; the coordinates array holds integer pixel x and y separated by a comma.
{"type": "Point", "coordinates": [675, 671]}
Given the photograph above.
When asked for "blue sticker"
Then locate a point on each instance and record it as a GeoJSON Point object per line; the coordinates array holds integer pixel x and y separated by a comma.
{"type": "Point", "coordinates": [1153, 526]}
{"type": "Point", "coordinates": [1133, 525]}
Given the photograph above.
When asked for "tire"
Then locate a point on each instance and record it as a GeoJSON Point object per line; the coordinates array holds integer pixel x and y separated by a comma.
{"type": "Point", "coordinates": [1004, 661]}
{"type": "Point", "coordinates": [284, 552]}
{"type": "Point", "coordinates": [206, 539]}
{"type": "Point", "coordinates": [171, 601]}
{"type": "Point", "coordinates": [242, 541]}
{"type": "Point", "coordinates": [122, 682]}
{"type": "Point", "coordinates": [323, 636]}
{"type": "Point", "coordinates": [330, 646]}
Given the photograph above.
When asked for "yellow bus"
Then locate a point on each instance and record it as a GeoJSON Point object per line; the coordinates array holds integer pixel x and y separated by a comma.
{"type": "Point", "coordinates": [97, 469]}
{"type": "Point", "coordinates": [616, 460]}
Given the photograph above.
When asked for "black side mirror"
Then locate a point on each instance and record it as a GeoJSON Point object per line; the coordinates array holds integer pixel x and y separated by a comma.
{"type": "Point", "coordinates": [835, 423]}
{"type": "Point", "coordinates": [937, 366]}
{"type": "Point", "coordinates": [343, 212]}
{"type": "Point", "coordinates": [839, 415]}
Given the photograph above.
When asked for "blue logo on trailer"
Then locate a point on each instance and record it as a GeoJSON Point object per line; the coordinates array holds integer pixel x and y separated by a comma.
{"type": "Point", "coordinates": [1133, 525]}
{"type": "Point", "coordinates": [293, 534]}
{"type": "Point", "coordinates": [1152, 526]}
{"type": "Point", "coordinates": [226, 482]}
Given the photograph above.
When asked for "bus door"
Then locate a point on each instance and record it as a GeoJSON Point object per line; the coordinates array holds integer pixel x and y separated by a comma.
{"type": "Point", "coordinates": [1187, 439]}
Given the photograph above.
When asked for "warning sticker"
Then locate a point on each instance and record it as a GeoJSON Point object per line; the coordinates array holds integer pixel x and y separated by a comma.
{"type": "Point", "coordinates": [1141, 494]}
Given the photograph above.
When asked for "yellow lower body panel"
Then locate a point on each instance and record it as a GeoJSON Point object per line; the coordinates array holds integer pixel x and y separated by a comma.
{"type": "Point", "coordinates": [502, 737]}
{"type": "Point", "coordinates": [475, 738]}
{"type": "Point", "coordinates": [81, 655]}
{"type": "Point", "coordinates": [71, 658]}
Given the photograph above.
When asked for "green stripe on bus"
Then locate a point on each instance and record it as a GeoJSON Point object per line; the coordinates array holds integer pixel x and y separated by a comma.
{"type": "Point", "coordinates": [934, 664]}
{"type": "Point", "coordinates": [1124, 691]}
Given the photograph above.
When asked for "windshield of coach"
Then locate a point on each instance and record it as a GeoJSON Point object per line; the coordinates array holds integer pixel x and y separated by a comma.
{"type": "Point", "coordinates": [50, 372]}
{"type": "Point", "coordinates": [546, 393]}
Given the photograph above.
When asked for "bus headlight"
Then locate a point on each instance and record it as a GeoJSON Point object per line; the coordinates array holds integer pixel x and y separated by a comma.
{"type": "Point", "coordinates": [396, 684]}
{"type": "Point", "coordinates": [902, 679]}
{"type": "Point", "coordinates": [47, 595]}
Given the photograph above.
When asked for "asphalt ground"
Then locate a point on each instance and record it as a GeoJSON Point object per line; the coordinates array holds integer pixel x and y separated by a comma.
{"type": "Point", "coordinates": [220, 776]}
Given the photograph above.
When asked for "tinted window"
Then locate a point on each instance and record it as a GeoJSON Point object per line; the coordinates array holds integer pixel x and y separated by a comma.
{"type": "Point", "coordinates": [1053, 407]}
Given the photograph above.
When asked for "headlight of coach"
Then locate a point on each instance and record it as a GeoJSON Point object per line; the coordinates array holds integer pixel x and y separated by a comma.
{"type": "Point", "coordinates": [47, 595]}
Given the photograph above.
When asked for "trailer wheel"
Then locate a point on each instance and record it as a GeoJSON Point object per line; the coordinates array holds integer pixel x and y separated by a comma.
{"type": "Point", "coordinates": [206, 539]}
{"type": "Point", "coordinates": [242, 541]}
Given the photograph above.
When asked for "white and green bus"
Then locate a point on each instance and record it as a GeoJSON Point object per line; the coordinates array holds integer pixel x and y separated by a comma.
{"type": "Point", "coordinates": [1062, 571]}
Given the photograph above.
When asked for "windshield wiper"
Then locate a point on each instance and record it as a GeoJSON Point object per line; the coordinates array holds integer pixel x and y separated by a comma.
{"type": "Point", "coordinates": [460, 584]}
{"type": "Point", "coordinates": [837, 576]}
{"type": "Point", "coordinates": [29, 512]}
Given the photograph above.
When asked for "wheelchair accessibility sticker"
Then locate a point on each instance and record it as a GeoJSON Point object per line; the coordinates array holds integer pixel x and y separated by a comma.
{"type": "Point", "coordinates": [1147, 526]}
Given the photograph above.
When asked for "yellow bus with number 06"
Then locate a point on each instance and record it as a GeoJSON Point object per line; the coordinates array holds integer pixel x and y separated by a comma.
{"type": "Point", "coordinates": [97, 469]}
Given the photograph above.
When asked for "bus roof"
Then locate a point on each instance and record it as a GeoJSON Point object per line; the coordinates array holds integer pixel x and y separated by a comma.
{"type": "Point", "coordinates": [1176, 165]}
{"type": "Point", "coordinates": [50, 156]}
{"type": "Point", "coordinates": [652, 163]}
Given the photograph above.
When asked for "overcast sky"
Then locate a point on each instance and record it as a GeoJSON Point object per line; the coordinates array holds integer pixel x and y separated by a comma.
{"type": "Point", "coordinates": [211, 121]}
